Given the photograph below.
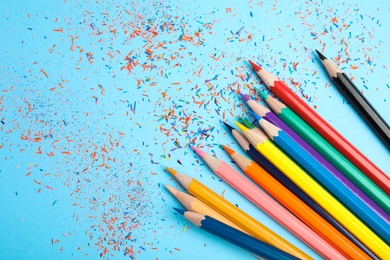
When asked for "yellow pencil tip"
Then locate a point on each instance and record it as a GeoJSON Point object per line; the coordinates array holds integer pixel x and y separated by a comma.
{"type": "Point", "coordinates": [242, 127]}
{"type": "Point", "coordinates": [171, 171]}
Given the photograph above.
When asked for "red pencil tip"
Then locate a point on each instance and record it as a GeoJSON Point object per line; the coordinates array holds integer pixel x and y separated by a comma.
{"type": "Point", "coordinates": [254, 66]}
{"type": "Point", "coordinates": [227, 149]}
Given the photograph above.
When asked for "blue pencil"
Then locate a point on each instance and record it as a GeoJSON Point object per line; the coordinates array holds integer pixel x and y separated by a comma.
{"type": "Point", "coordinates": [326, 179]}
{"type": "Point", "coordinates": [278, 175]}
{"type": "Point", "coordinates": [235, 236]}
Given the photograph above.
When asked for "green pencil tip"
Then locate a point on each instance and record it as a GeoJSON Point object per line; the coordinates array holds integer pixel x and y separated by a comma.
{"type": "Point", "coordinates": [246, 123]}
{"type": "Point", "coordinates": [263, 95]}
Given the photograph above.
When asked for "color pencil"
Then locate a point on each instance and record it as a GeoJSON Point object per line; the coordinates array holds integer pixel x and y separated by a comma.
{"type": "Point", "coordinates": [269, 206]}
{"type": "Point", "coordinates": [235, 236]}
{"type": "Point", "coordinates": [327, 180]}
{"type": "Point", "coordinates": [329, 152]}
{"type": "Point", "coordinates": [297, 207]}
{"type": "Point", "coordinates": [264, 112]}
{"type": "Point", "coordinates": [278, 175]}
{"type": "Point", "coordinates": [236, 215]}
{"type": "Point", "coordinates": [358, 101]}
{"type": "Point", "coordinates": [324, 129]}
{"type": "Point", "coordinates": [316, 192]}
{"type": "Point", "coordinates": [193, 204]}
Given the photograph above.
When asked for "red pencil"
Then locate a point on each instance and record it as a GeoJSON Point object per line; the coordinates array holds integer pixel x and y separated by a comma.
{"type": "Point", "coordinates": [324, 129]}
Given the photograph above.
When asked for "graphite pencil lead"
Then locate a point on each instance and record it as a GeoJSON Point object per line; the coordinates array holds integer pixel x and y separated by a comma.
{"type": "Point", "coordinates": [322, 57]}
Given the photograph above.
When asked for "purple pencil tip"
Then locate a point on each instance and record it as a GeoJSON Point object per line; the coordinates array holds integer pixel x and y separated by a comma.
{"type": "Point", "coordinates": [244, 97]}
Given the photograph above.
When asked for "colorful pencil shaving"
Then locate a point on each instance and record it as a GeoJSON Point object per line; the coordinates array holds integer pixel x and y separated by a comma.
{"type": "Point", "coordinates": [265, 113]}
{"type": "Point", "coordinates": [329, 152]}
{"type": "Point", "coordinates": [235, 236]}
{"type": "Point", "coordinates": [324, 129]}
{"type": "Point", "coordinates": [319, 194]}
{"type": "Point", "coordinates": [269, 206]}
{"type": "Point", "coordinates": [327, 180]}
{"type": "Point", "coordinates": [236, 215]}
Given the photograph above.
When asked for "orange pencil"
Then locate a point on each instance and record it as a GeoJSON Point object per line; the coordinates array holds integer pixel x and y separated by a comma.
{"type": "Point", "coordinates": [297, 207]}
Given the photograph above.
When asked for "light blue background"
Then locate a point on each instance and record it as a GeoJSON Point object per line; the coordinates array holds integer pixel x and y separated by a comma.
{"type": "Point", "coordinates": [89, 202]}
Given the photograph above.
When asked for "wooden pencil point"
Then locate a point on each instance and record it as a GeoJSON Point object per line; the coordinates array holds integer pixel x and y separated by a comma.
{"type": "Point", "coordinates": [227, 149]}
{"type": "Point", "coordinates": [263, 95]}
{"type": "Point", "coordinates": [320, 55]}
{"type": "Point", "coordinates": [244, 97]}
{"type": "Point", "coordinates": [229, 127]}
{"type": "Point", "coordinates": [254, 65]}
{"type": "Point", "coordinates": [171, 171]}
{"type": "Point", "coordinates": [180, 211]}
{"type": "Point", "coordinates": [242, 127]}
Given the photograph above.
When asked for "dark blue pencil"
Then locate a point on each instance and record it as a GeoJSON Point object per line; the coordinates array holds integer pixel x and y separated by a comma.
{"type": "Point", "coordinates": [271, 169]}
{"type": "Point", "coordinates": [327, 179]}
{"type": "Point", "coordinates": [235, 236]}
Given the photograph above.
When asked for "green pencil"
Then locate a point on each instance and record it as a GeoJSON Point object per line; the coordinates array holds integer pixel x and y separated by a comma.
{"type": "Point", "coordinates": [328, 151]}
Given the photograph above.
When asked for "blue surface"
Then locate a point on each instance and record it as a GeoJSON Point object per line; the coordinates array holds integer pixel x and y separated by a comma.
{"type": "Point", "coordinates": [85, 137]}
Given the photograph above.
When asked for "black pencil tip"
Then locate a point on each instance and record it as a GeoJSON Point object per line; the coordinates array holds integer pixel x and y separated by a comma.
{"type": "Point", "coordinates": [229, 127]}
{"type": "Point", "coordinates": [181, 211]}
{"type": "Point", "coordinates": [322, 57]}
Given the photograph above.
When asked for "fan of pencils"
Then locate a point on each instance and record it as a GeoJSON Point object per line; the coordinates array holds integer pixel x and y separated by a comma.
{"type": "Point", "coordinates": [319, 186]}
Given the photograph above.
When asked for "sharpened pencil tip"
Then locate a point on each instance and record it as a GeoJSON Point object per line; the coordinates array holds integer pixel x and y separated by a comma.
{"type": "Point", "coordinates": [171, 171]}
{"type": "Point", "coordinates": [229, 127]}
{"type": "Point", "coordinates": [263, 95]}
{"type": "Point", "coordinates": [254, 65]}
{"type": "Point", "coordinates": [198, 151]}
{"type": "Point", "coordinates": [242, 128]}
{"type": "Point", "coordinates": [258, 118]}
{"type": "Point", "coordinates": [180, 211]}
{"type": "Point", "coordinates": [244, 97]}
{"type": "Point", "coordinates": [322, 57]}
{"type": "Point", "coordinates": [227, 149]}
{"type": "Point", "coordinates": [246, 123]}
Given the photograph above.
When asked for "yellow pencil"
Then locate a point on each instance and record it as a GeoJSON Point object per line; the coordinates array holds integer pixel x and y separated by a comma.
{"type": "Point", "coordinates": [317, 193]}
{"type": "Point", "coordinates": [236, 215]}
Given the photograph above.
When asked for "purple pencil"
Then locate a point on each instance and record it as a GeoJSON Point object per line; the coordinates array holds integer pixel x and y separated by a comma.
{"type": "Point", "coordinates": [267, 114]}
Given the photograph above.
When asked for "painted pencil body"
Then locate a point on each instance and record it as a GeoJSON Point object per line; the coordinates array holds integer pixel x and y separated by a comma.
{"type": "Point", "coordinates": [328, 180]}
{"type": "Point", "coordinates": [320, 195]}
{"type": "Point", "coordinates": [324, 129]}
{"type": "Point", "coordinates": [358, 101]}
{"type": "Point", "coordinates": [269, 206]}
{"type": "Point", "coordinates": [236, 237]}
{"type": "Point", "coordinates": [330, 153]}
{"type": "Point", "coordinates": [291, 186]}
{"type": "Point", "coordinates": [234, 214]}
{"type": "Point", "coordinates": [261, 111]}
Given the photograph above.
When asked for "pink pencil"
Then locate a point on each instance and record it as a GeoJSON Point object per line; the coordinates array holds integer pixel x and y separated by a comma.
{"type": "Point", "coordinates": [269, 206]}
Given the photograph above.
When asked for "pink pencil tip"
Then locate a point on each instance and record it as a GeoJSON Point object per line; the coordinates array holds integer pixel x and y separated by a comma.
{"type": "Point", "coordinates": [254, 66]}
{"type": "Point", "coordinates": [198, 151]}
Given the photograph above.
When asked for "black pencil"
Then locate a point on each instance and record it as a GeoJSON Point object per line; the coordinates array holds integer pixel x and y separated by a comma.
{"type": "Point", "coordinates": [357, 100]}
